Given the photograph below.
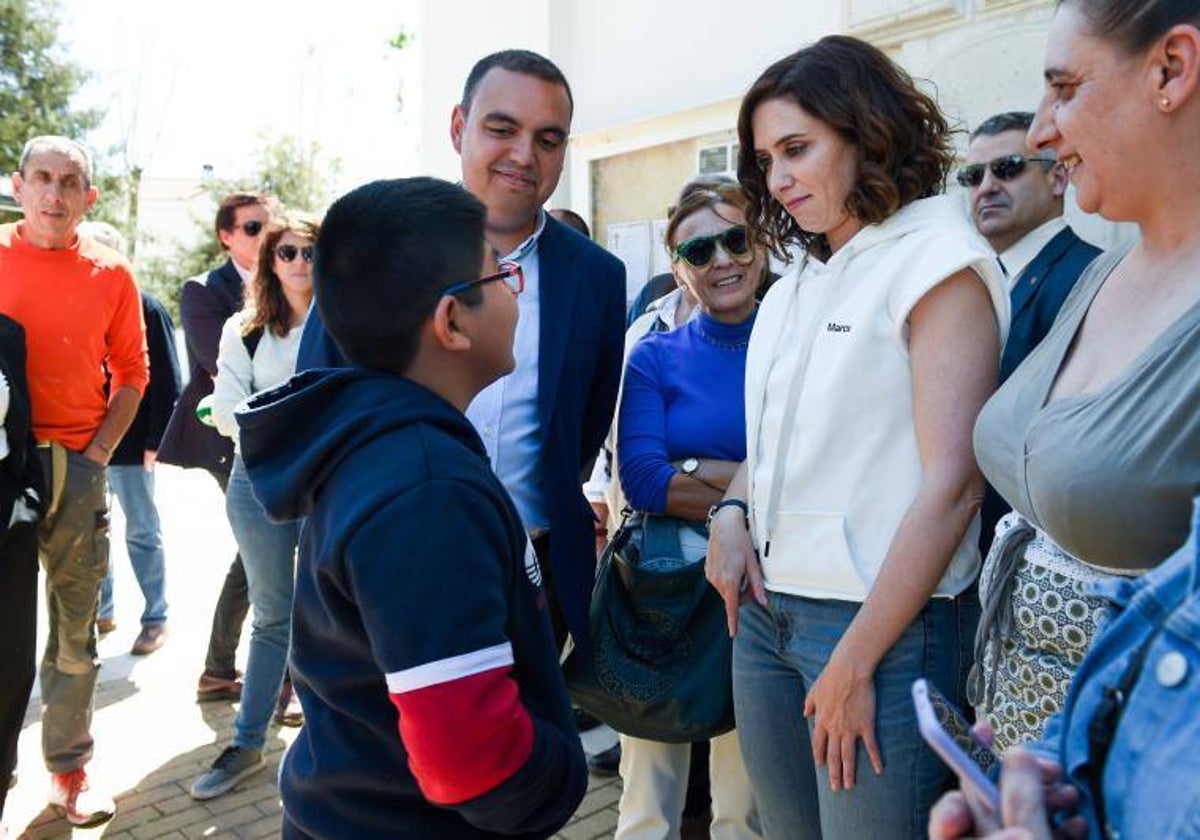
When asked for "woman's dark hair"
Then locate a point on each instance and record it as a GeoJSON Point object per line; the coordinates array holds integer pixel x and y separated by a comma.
{"type": "Point", "coordinates": [901, 139]}
{"type": "Point", "coordinates": [271, 310]}
{"type": "Point", "coordinates": [1135, 24]}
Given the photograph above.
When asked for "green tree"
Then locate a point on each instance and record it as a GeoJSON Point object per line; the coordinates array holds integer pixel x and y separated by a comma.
{"type": "Point", "coordinates": [37, 80]}
{"type": "Point", "coordinates": [298, 174]}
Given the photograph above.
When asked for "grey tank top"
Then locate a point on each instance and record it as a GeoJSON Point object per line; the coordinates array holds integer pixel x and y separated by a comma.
{"type": "Point", "coordinates": [1109, 475]}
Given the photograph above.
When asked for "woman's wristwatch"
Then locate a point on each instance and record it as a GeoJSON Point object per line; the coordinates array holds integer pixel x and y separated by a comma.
{"type": "Point", "coordinates": [737, 503]}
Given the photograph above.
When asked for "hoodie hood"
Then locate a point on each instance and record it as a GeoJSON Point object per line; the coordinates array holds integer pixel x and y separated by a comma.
{"type": "Point", "coordinates": [924, 214]}
{"type": "Point", "coordinates": [294, 436]}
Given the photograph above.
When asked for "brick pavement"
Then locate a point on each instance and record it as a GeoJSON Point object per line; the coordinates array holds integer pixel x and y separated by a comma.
{"type": "Point", "coordinates": [152, 739]}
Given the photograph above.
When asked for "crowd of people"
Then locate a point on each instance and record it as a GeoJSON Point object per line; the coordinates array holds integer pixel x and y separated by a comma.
{"type": "Point", "coordinates": [959, 447]}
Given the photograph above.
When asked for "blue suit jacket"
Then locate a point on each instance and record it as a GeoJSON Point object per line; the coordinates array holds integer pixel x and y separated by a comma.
{"type": "Point", "coordinates": [204, 307]}
{"type": "Point", "coordinates": [1040, 292]}
{"type": "Point", "coordinates": [582, 321]}
{"type": "Point", "coordinates": [1036, 299]}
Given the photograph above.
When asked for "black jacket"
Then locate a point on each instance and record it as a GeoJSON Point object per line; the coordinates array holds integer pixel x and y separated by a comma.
{"type": "Point", "coordinates": [434, 706]}
{"type": "Point", "coordinates": [146, 430]}
{"type": "Point", "coordinates": [22, 469]}
{"type": "Point", "coordinates": [204, 307]}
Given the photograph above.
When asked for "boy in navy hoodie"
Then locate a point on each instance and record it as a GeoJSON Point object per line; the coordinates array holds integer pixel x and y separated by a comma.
{"type": "Point", "coordinates": [421, 645]}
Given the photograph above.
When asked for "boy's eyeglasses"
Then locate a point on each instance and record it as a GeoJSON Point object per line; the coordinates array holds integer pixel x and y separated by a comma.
{"type": "Point", "coordinates": [700, 251]}
{"type": "Point", "coordinates": [287, 253]}
{"type": "Point", "coordinates": [1004, 168]}
{"type": "Point", "coordinates": [510, 273]}
{"type": "Point", "coordinates": [252, 228]}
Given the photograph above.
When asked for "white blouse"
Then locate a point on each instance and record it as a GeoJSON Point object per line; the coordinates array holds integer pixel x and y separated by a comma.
{"type": "Point", "coordinates": [239, 377]}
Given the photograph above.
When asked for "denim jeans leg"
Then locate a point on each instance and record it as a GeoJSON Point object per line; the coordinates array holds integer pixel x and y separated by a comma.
{"type": "Point", "coordinates": [229, 614]}
{"type": "Point", "coordinates": [268, 554]}
{"type": "Point", "coordinates": [896, 804]}
{"type": "Point", "coordinates": [778, 656]}
{"type": "Point", "coordinates": [133, 486]}
{"type": "Point", "coordinates": [768, 702]}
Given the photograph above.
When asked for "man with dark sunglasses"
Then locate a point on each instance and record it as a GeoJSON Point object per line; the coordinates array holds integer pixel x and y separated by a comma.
{"type": "Point", "coordinates": [1017, 204]}
{"type": "Point", "coordinates": [206, 302]}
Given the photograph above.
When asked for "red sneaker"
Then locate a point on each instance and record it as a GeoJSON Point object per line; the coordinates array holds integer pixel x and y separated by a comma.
{"type": "Point", "coordinates": [71, 796]}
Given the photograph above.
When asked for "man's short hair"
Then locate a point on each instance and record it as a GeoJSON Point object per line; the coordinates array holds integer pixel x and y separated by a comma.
{"type": "Point", "coordinates": [572, 220]}
{"type": "Point", "coordinates": [385, 252]}
{"type": "Point", "coordinates": [62, 145]}
{"type": "Point", "coordinates": [1000, 123]}
{"type": "Point", "coordinates": [227, 209]}
{"type": "Point", "coordinates": [525, 62]}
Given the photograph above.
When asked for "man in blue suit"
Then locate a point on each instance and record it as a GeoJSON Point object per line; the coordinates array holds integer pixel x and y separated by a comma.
{"type": "Point", "coordinates": [206, 302]}
{"type": "Point", "coordinates": [543, 423]}
{"type": "Point", "coordinates": [1017, 204]}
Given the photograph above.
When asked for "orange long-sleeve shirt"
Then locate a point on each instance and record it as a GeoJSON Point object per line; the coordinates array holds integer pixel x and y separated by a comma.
{"type": "Point", "coordinates": [81, 312]}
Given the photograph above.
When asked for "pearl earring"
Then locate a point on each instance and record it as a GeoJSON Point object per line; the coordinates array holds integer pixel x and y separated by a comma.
{"type": "Point", "coordinates": [1165, 103]}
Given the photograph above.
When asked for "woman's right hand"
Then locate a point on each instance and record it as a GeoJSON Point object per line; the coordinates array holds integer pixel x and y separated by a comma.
{"type": "Point", "coordinates": [731, 564]}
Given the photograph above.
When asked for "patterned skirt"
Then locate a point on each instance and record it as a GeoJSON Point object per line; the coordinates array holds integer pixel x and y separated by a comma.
{"type": "Point", "coordinates": [1028, 651]}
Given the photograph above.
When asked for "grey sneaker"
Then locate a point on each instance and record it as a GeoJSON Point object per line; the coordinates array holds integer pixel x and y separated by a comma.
{"type": "Point", "coordinates": [231, 766]}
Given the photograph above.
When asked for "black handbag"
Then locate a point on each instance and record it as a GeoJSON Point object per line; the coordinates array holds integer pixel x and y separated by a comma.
{"type": "Point", "coordinates": [658, 660]}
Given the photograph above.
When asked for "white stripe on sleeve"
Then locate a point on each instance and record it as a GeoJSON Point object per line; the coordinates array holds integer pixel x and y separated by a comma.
{"type": "Point", "coordinates": [450, 669]}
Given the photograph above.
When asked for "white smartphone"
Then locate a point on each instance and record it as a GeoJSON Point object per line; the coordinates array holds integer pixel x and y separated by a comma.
{"type": "Point", "coordinates": [976, 786]}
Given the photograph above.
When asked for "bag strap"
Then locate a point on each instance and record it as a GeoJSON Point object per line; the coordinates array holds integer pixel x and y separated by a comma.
{"type": "Point", "coordinates": [251, 339]}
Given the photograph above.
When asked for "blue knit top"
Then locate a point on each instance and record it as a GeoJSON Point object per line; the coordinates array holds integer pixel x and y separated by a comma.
{"type": "Point", "coordinates": [683, 397]}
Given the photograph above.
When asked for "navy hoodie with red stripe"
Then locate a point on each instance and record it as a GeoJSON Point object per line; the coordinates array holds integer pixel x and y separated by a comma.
{"type": "Point", "coordinates": [434, 706]}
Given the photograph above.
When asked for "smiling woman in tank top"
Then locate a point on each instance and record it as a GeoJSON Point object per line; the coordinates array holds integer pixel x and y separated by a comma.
{"type": "Point", "coordinates": [1095, 440]}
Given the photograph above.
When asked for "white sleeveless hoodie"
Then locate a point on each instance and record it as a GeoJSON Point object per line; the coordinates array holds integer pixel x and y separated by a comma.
{"type": "Point", "coordinates": [852, 467]}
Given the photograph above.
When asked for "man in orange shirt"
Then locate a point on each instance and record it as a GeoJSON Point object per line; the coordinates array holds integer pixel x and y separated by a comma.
{"type": "Point", "coordinates": [79, 305]}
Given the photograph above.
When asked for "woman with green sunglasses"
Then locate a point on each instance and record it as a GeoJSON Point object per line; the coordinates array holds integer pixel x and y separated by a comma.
{"type": "Point", "coordinates": [680, 438]}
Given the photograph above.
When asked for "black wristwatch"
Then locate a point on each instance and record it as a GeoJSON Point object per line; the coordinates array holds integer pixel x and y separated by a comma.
{"type": "Point", "coordinates": [738, 503]}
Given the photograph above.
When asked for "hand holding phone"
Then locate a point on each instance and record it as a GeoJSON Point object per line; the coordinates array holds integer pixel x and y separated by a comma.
{"type": "Point", "coordinates": [976, 786]}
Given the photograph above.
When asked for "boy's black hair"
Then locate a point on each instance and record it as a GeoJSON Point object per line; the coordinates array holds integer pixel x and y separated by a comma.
{"type": "Point", "coordinates": [385, 252]}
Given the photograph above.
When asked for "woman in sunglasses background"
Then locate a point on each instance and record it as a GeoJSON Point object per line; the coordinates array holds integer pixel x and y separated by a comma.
{"type": "Point", "coordinates": [680, 438]}
{"type": "Point", "coordinates": [849, 534]}
{"type": "Point", "coordinates": [257, 352]}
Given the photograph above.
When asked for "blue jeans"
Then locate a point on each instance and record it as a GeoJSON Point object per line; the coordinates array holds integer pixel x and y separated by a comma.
{"type": "Point", "coordinates": [268, 551]}
{"type": "Point", "coordinates": [133, 486]}
{"type": "Point", "coordinates": [777, 656]}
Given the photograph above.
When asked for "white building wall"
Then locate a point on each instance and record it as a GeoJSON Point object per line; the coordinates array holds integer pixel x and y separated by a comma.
{"type": "Point", "coordinates": [630, 60]}
{"type": "Point", "coordinates": [451, 35]}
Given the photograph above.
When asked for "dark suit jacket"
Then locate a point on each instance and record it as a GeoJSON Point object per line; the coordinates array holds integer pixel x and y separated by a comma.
{"type": "Point", "coordinates": [204, 307]}
{"type": "Point", "coordinates": [154, 412]}
{"type": "Point", "coordinates": [1039, 294]}
{"type": "Point", "coordinates": [22, 468]}
{"type": "Point", "coordinates": [1036, 298]}
{"type": "Point", "coordinates": [582, 321]}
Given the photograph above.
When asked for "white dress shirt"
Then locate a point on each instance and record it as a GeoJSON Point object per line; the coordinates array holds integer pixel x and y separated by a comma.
{"type": "Point", "coordinates": [505, 413]}
{"type": "Point", "coordinates": [1017, 257]}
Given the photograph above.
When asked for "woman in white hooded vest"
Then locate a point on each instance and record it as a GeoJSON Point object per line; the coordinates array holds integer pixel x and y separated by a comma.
{"type": "Point", "coordinates": [846, 539]}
